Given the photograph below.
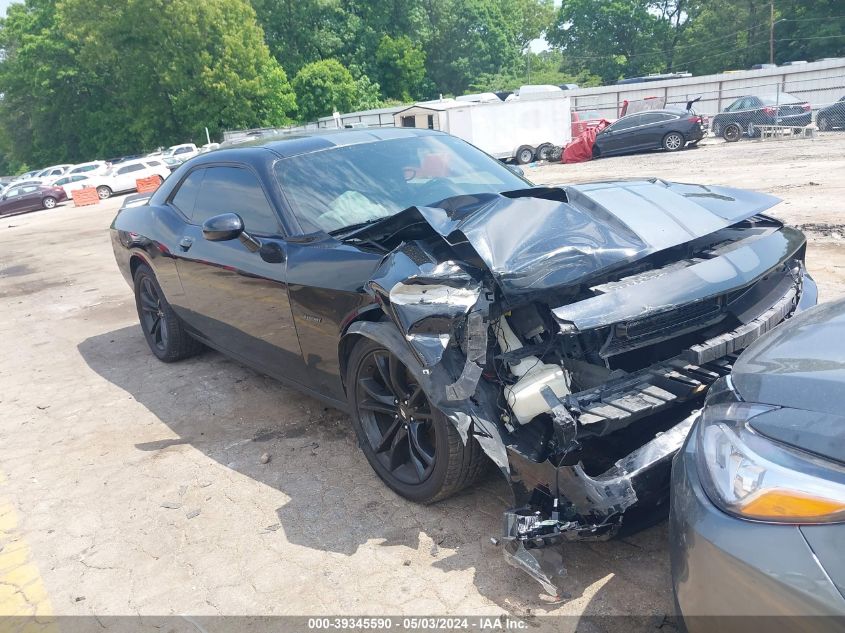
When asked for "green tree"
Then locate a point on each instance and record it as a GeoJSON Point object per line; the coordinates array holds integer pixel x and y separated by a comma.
{"type": "Point", "coordinates": [401, 68]}
{"type": "Point", "coordinates": [609, 38]}
{"type": "Point", "coordinates": [92, 78]}
{"type": "Point", "coordinates": [323, 87]}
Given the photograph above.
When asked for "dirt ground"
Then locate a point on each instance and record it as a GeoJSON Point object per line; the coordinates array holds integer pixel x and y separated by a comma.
{"type": "Point", "coordinates": [128, 486]}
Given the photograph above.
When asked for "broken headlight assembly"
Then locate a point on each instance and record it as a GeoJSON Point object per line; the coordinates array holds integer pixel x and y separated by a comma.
{"type": "Point", "coordinates": [753, 477]}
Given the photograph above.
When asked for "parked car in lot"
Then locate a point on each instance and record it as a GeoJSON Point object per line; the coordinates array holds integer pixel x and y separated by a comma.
{"type": "Point", "coordinates": [832, 116]}
{"type": "Point", "coordinates": [183, 152]}
{"type": "Point", "coordinates": [757, 523]}
{"type": "Point", "coordinates": [26, 176]}
{"type": "Point", "coordinates": [30, 197]}
{"type": "Point", "coordinates": [72, 182]}
{"type": "Point", "coordinates": [51, 173]}
{"type": "Point", "coordinates": [171, 163]}
{"type": "Point", "coordinates": [669, 129]}
{"type": "Point", "coordinates": [746, 114]}
{"type": "Point", "coordinates": [461, 314]}
{"type": "Point", "coordinates": [208, 147]}
{"type": "Point", "coordinates": [93, 168]}
{"type": "Point", "coordinates": [121, 178]}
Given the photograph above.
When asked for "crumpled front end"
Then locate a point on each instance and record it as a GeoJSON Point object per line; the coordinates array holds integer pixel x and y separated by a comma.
{"type": "Point", "coordinates": [577, 354]}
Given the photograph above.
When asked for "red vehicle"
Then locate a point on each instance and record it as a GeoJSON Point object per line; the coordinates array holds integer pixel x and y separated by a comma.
{"type": "Point", "coordinates": [30, 197]}
{"type": "Point", "coordinates": [583, 120]}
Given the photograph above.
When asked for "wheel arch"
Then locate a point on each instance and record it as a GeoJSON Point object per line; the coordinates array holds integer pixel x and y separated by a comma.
{"type": "Point", "coordinates": [468, 417]}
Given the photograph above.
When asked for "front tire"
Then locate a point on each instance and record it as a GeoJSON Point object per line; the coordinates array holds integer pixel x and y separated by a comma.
{"type": "Point", "coordinates": [410, 444]}
{"type": "Point", "coordinates": [823, 123]}
{"type": "Point", "coordinates": [673, 141]}
{"type": "Point", "coordinates": [49, 202]}
{"type": "Point", "coordinates": [104, 192]}
{"type": "Point", "coordinates": [163, 329]}
{"type": "Point", "coordinates": [732, 132]}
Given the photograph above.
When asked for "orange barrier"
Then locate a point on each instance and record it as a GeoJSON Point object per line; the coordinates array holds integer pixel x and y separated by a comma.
{"type": "Point", "coordinates": [82, 197]}
{"type": "Point", "coordinates": [145, 185]}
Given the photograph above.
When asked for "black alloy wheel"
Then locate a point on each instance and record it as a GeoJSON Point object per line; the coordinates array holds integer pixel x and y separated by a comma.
{"type": "Point", "coordinates": [162, 327]}
{"type": "Point", "coordinates": [396, 418]}
{"type": "Point", "coordinates": [152, 315]}
{"type": "Point", "coordinates": [410, 444]}
{"type": "Point", "coordinates": [732, 132]}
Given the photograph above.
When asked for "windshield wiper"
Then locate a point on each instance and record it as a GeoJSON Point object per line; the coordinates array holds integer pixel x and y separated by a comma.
{"type": "Point", "coordinates": [354, 227]}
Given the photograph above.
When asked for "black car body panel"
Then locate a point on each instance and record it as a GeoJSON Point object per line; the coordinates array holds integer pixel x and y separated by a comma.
{"type": "Point", "coordinates": [644, 131]}
{"type": "Point", "coordinates": [832, 116]}
{"type": "Point", "coordinates": [751, 112]}
{"type": "Point", "coordinates": [438, 285]}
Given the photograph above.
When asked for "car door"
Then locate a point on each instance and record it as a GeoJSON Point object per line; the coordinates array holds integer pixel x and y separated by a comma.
{"type": "Point", "coordinates": [29, 198]}
{"type": "Point", "coordinates": [11, 200]}
{"type": "Point", "coordinates": [236, 291]}
{"type": "Point", "coordinates": [619, 136]}
{"type": "Point", "coordinates": [124, 177]}
{"type": "Point", "coordinates": [659, 124]}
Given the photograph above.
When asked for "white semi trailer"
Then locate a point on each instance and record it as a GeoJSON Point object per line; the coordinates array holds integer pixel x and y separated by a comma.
{"type": "Point", "coordinates": [522, 129]}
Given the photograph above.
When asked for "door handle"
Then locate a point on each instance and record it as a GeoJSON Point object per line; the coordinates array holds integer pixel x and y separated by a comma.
{"type": "Point", "coordinates": [186, 242]}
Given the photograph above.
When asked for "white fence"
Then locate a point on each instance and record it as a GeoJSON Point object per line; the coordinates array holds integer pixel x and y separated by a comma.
{"type": "Point", "coordinates": [820, 83]}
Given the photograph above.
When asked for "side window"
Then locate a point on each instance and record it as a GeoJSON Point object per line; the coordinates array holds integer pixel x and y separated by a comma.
{"type": "Point", "coordinates": [130, 168]}
{"type": "Point", "coordinates": [63, 181]}
{"type": "Point", "coordinates": [29, 189]}
{"type": "Point", "coordinates": [734, 106]}
{"type": "Point", "coordinates": [13, 192]}
{"type": "Point", "coordinates": [186, 195]}
{"type": "Point", "coordinates": [235, 190]}
{"type": "Point", "coordinates": [182, 150]}
{"type": "Point", "coordinates": [626, 123]}
{"type": "Point", "coordinates": [651, 117]}
{"type": "Point", "coordinates": [78, 178]}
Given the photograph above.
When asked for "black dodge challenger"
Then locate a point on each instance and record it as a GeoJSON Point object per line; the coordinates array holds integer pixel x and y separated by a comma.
{"type": "Point", "coordinates": [462, 315]}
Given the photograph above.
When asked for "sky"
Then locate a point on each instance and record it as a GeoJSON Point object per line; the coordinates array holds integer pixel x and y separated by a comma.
{"type": "Point", "coordinates": [3, 5]}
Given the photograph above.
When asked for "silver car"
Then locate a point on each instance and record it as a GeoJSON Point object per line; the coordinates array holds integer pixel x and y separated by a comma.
{"type": "Point", "coordinates": [758, 490]}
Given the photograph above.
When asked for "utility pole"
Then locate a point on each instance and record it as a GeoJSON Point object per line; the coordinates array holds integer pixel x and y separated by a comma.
{"type": "Point", "coordinates": [772, 32]}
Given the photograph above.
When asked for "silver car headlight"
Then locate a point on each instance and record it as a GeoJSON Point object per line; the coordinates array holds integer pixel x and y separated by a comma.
{"type": "Point", "coordinates": [753, 477]}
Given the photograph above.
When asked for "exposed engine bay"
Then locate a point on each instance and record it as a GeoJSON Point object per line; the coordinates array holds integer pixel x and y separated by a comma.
{"type": "Point", "coordinates": [574, 331]}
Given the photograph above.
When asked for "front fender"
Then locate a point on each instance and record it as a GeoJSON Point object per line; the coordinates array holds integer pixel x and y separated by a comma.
{"type": "Point", "coordinates": [473, 417]}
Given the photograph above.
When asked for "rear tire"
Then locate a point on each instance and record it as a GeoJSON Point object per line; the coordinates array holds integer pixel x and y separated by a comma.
{"type": "Point", "coordinates": [421, 458]}
{"type": "Point", "coordinates": [524, 155]}
{"type": "Point", "coordinates": [163, 329]}
{"type": "Point", "coordinates": [104, 192]}
{"type": "Point", "coordinates": [717, 129]}
{"type": "Point", "coordinates": [49, 202]}
{"type": "Point", "coordinates": [732, 132]}
{"type": "Point", "coordinates": [673, 142]}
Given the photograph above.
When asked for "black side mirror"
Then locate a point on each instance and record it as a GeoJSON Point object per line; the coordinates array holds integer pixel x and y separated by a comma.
{"type": "Point", "coordinates": [223, 227]}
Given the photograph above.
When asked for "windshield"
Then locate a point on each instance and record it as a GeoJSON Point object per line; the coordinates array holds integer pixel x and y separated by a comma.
{"type": "Point", "coordinates": [345, 186]}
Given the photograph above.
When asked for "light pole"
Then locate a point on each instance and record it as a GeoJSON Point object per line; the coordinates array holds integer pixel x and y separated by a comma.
{"type": "Point", "coordinates": [772, 23]}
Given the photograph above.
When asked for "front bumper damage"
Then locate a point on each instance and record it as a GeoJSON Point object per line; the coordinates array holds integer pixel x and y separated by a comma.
{"type": "Point", "coordinates": [442, 310]}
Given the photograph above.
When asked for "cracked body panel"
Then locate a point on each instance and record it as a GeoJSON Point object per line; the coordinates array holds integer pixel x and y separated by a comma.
{"type": "Point", "coordinates": [572, 332]}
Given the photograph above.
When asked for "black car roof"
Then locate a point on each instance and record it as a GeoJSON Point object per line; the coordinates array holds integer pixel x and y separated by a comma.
{"type": "Point", "coordinates": [295, 143]}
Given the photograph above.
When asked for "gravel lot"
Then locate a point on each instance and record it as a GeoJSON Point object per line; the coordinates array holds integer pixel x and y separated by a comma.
{"type": "Point", "coordinates": [134, 487]}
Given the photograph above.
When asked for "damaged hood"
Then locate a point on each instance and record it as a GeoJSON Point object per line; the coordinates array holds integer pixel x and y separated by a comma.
{"type": "Point", "coordinates": [538, 239]}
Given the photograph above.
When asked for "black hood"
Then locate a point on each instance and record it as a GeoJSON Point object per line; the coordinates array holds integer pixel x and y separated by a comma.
{"type": "Point", "coordinates": [538, 239]}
